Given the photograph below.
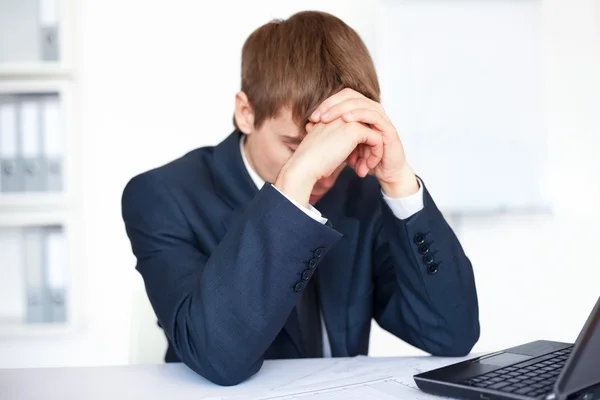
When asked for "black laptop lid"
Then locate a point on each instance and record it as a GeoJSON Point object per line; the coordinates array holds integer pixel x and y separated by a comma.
{"type": "Point", "coordinates": [583, 367]}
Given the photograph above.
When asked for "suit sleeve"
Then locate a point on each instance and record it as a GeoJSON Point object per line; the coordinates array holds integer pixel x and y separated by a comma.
{"type": "Point", "coordinates": [221, 311]}
{"type": "Point", "coordinates": [425, 290]}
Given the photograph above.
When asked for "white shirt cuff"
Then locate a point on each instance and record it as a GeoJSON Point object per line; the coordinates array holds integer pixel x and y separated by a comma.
{"type": "Point", "coordinates": [310, 211]}
{"type": "Point", "coordinates": [406, 207]}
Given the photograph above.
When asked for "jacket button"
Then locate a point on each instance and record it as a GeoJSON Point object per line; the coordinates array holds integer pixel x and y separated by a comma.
{"type": "Point", "coordinates": [428, 259]}
{"type": "Point", "coordinates": [419, 238]}
{"type": "Point", "coordinates": [299, 286]}
{"type": "Point", "coordinates": [319, 252]}
{"type": "Point", "coordinates": [432, 268]}
{"type": "Point", "coordinates": [423, 249]}
{"type": "Point", "coordinates": [312, 264]}
{"type": "Point", "coordinates": [307, 274]}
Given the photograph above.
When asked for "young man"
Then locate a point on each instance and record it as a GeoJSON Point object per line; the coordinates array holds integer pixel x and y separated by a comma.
{"type": "Point", "coordinates": [290, 236]}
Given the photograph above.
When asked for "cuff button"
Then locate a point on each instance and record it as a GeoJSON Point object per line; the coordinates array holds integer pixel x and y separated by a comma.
{"type": "Point", "coordinates": [299, 286]}
{"type": "Point", "coordinates": [432, 268]}
{"type": "Point", "coordinates": [319, 252]}
{"type": "Point", "coordinates": [419, 238]}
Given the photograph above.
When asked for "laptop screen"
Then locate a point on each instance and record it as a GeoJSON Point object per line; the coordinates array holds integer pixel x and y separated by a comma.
{"type": "Point", "coordinates": [583, 368]}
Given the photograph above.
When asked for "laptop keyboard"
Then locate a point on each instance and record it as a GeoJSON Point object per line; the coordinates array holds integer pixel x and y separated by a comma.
{"type": "Point", "coordinates": [531, 378]}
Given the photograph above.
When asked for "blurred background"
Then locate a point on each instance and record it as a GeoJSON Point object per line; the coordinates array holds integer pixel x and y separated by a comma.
{"type": "Point", "coordinates": [497, 103]}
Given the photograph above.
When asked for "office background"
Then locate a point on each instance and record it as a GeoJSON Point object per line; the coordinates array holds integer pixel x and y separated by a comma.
{"type": "Point", "coordinates": [140, 83]}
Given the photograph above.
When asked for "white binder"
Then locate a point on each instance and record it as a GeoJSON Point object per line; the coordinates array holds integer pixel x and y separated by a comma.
{"type": "Point", "coordinates": [49, 39]}
{"type": "Point", "coordinates": [9, 180]}
{"type": "Point", "coordinates": [56, 263]}
{"type": "Point", "coordinates": [12, 278]}
{"type": "Point", "coordinates": [31, 149]}
{"type": "Point", "coordinates": [33, 256]}
{"type": "Point", "coordinates": [53, 144]}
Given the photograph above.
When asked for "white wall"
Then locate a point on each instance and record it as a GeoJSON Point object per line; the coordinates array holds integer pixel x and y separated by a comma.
{"type": "Point", "coordinates": [157, 79]}
{"type": "Point", "coordinates": [537, 276]}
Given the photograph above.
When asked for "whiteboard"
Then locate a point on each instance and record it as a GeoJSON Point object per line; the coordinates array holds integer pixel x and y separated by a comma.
{"type": "Point", "coordinates": [462, 81]}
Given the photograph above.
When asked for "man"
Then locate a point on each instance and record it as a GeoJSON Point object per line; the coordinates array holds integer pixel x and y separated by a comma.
{"type": "Point", "coordinates": [290, 236]}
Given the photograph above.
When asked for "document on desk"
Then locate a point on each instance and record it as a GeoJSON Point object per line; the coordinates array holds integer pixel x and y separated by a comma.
{"type": "Point", "coordinates": [353, 378]}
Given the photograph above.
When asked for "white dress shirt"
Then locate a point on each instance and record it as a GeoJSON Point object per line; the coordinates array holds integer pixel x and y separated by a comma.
{"type": "Point", "coordinates": [402, 208]}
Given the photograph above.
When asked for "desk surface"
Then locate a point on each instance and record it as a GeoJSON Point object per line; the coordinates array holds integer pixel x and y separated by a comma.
{"type": "Point", "coordinates": [276, 380]}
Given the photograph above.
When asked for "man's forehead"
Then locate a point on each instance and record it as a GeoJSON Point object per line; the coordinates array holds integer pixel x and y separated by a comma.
{"type": "Point", "coordinates": [284, 124]}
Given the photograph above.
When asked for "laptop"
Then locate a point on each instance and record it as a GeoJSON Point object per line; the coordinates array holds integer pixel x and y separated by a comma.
{"type": "Point", "coordinates": [537, 370]}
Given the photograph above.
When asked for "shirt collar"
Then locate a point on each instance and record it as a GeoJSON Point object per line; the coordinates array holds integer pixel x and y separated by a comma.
{"type": "Point", "coordinates": [258, 181]}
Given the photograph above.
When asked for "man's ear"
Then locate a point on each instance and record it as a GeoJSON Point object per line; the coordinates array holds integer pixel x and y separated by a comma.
{"type": "Point", "coordinates": [244, 115]}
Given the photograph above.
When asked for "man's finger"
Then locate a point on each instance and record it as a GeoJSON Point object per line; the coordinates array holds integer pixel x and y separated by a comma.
{"type": "Point", "coordinates": [308, 127]}
{"type": "Point", "coordinates": [352, 158]}
{"type": "Point", "coordinates": [340, 96]}
{"type": "Point", "coordinates": [368, 156]}
{"type": "Point", "coordinates": [360, 168]}
{"type": "Point", "coordinates": [368, 116]}
{"type": "Point", "coordinates": [347, 106]}
{"type": "Point", "coordinates": [374, 141]}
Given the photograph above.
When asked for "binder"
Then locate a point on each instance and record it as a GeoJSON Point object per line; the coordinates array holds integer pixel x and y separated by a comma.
{"type": "Point", "coordinates": [53, 144]}
{"type": "Point", "coordinates": [33, 263]}
{"type": "Point", "coordinates": [49, 40]}
{"type": "Point", "coordinates": [9, 171]}
{"type": "Point", "coordinates": [33, 167]}
{"type": "Point", "coordinates": [12, 282]}
{"type": "Point", "coordinates": [55, 263]}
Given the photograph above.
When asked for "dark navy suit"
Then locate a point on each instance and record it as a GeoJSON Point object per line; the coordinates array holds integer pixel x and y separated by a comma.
{"type": "Point", "coordinates": [223, 262]}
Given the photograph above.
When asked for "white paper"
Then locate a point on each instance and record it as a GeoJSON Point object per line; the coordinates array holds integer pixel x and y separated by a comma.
{"type": "Point", "coordinates": [30, 134]}
{"type": "Point", "coordinates": [8, 131]}
{"type": "Point", "coordinates": [383, 389]}
{"type": "Point", "coordinates": [348, 378]}
{"type": "Point", "coordinates": [386, 389]}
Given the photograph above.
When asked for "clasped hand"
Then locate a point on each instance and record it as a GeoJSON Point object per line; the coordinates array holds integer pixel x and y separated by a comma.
{"type": "Point", "coordinates": [348, 128]}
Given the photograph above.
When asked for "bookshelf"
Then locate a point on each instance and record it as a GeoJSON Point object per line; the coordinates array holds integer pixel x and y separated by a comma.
{"type": "Point", "coordinates": [39, 205]}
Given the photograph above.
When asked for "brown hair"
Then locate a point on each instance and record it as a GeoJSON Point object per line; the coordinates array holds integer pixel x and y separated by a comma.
{"type": "Point", "coordinates": [301, 61]}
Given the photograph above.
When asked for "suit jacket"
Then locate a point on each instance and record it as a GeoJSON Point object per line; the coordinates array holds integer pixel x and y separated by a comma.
{"type": "Point", "coordinates": [223, 266]}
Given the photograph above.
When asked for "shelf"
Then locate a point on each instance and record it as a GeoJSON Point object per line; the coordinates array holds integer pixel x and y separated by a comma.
{"type": "Point", "coordinates": [33, 70]}
{"type": "Point", "coordinates": [41, 230]}
{"type": "Point", "coordinates": [33, 201]}
{"type": "Point", "coordinates": [26, 210]}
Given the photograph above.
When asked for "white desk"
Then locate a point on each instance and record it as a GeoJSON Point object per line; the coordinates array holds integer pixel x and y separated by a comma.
{"type": "Point", "coordinates": [311, 379]}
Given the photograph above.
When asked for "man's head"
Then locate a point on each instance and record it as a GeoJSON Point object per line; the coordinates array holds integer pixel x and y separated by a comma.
{"type": "Point", "coordinates": [288, 68]}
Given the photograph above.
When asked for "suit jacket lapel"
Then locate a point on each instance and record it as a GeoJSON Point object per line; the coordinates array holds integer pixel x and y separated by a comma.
{"type": "Point", "coordinates": [232, 182]}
